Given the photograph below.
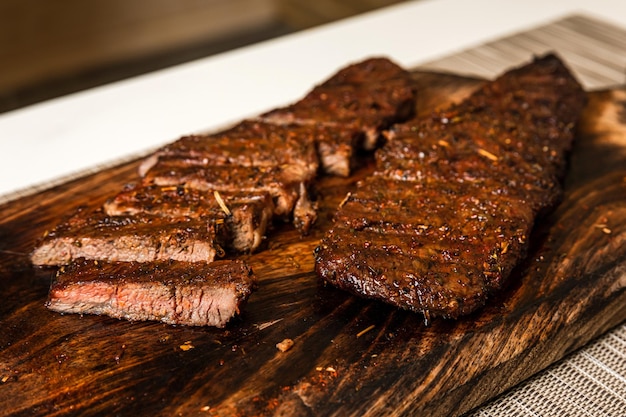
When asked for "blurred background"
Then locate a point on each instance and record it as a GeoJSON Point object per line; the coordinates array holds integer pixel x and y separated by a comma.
{"type": "Point", "coordinates": [52, 48]}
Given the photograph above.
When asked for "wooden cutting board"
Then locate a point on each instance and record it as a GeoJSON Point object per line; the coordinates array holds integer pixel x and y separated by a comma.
{"type": "Point", "coordinates": [351, 356]}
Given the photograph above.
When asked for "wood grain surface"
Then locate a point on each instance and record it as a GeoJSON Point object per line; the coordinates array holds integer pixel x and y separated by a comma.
{"type": "Point", "coordinates": [350, 356]}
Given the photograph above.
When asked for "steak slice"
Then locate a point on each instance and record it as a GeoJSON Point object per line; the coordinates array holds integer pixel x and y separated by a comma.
{"type": "Point", "coordinates": [253, 157]}
{"type": "Point", "coordinates": [369, 96]}
{"type": "Point", "coordinates": [449, 211]}
{"type": "Point", "coordinates": [246, 216]}
{"type": "Point", "coordinates": [182, 293]}
{"type": "Point", "coordinates": [285, 183]}
{"type": "Point", "coordinates": [250, 144]}
{"type": "Point", "coordinates": [337, 147]}
{"type": "Point", "coordinates": [255, 143]}
{"type": "Point", "coordinates": [141, 237]}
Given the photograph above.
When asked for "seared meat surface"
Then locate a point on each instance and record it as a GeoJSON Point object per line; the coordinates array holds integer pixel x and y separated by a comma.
{"type": "Point", "coordinates": [198, 294]}
{"type": "Point", "coordinates": [252, 157]}
{"type": "Point", "coordinates": [249, 144]}
{"type": "Point", "coordinates": [368, 96]}
{"type": "Point", "coordinates": [246, 215]}
{"type": "Point", "coordinates": [280, 182]}
{"type": "Point", "coordinates": [140, 238]}
{"type": "Point", "coordinates": [448, 213]}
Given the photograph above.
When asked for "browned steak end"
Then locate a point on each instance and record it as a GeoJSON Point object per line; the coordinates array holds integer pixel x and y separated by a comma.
{"type": "Point", "coordinates": [253, 157]}
{"type": "Point", "coordinates": [337, 147]}
{"type": "Point", "coordinates": [141, 238]}
{"type": "Point", "coordinates": [249, 143]}
{"type": "Point", "coordinates": [246, 216]}
{"type": "Point", "coordinates": [193, 294]}
{"type": "Point", "coordinates": [449, 211]}
{"type": "Point", "coordinates": [369, 95]}
{"type": "Point", "coordinates": [281, 182]}
{"type": "Point", "coordinates": [386, 243]}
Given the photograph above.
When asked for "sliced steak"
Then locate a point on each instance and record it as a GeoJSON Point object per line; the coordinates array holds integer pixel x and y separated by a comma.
{"type": "Point", "coordinates": [149, 253]}
{"type": "Point", "coordinates": [253, 157]}
{"type": "Point", "coordinates": [246, 216]}
{"type": "Point", "coordinates": [197, 294]}
{"type": "Point", "coordinates": [140, 237]}
{"type": "Point", "coordinates": [449, 211]}
{"type": "Point", "coordinates": [337, 147]}
{"type": "Point", "coordinates": [369, 96]}
{"type": "Point", "coordinates": [255, 143]}
{"type": "Point", "coordinates": [326, 128]}
{"type": "Point", "coordinates": [283, 183]}
{"type": "Point", "coordinates": [249, 144]}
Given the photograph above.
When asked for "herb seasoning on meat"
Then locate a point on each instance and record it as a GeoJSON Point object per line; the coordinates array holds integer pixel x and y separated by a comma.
{"type": "Point", "coordinates": [448, 212]}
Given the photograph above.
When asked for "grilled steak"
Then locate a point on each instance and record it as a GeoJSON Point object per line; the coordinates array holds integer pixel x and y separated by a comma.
{"type": "Point", "coordinates": [448, 213]}
{"type": "Point", "coordinates": [325, 128]}
{"type": "Point", "coordinates": [198, 294]}
{"type": "Point", "coordinates": [281, 182]}
{"type": "Point", "coordinates": [140, 237]}
{"type": "Point", "coordinates": [244, 159]}
{"type": "Point", "coordinates": [249, 144]}
{"type": "Point", "coordinates": [369, 96]}
{"type": "Point", "coordinates": [245, 215]}
{"type": "Point", "coordinates": [149, 253]}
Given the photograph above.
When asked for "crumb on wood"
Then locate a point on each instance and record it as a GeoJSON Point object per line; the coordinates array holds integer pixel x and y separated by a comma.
{"type": "Point", "coordinates": [603, 227]}
{"type": "Point", "coordinates": [285, 345]}
{"type": "Point", "coordinates": [186, 346]}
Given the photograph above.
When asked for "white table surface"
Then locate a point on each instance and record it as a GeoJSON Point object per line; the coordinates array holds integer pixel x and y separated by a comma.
{"type": "Point", "coordinates": [51, 140]}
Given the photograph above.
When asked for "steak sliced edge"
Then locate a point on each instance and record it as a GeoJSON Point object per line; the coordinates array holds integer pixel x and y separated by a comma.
{"type": "Point", "coordinates": [180, 293]}
{"type": "Point", "coordinates": [92, 234]}
{"type": "Point", "coordinates": [249, 143]}
{"type": "Point", "coordinates": [246, 216]}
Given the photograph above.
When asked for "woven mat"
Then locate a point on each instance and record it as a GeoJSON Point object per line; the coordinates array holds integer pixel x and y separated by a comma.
{"type": "Point", "coordinates": [592, 381]}
{"type": "Point", "coordinates": [594, 50]}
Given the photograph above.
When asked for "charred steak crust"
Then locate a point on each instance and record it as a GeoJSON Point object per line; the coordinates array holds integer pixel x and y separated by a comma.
{"type": "Point", "coordinates": [241, 159]}
{"type": "Point", "coordinates": [249, 143]}
{"type": "Point", "coordinates": [198, 294]}
{"type": "Point", "coordinates": [92, 234]}
{"type": "Point", "coordinates": [282, 183]}
{"type": "Point", "coordinates": [368, 96]}
{"type": "Point", "coordinates": [246, 215]}
{"type": "Point", "coordinates": [448, 212]}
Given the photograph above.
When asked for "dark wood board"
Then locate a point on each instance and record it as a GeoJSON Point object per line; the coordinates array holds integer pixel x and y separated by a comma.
{"type": "Point", "coordinates": [351, 356]}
